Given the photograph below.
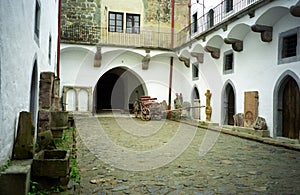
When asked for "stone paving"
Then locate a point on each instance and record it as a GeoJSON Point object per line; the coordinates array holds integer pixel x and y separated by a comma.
{"type": "Point", "coordinates": [182, 160]}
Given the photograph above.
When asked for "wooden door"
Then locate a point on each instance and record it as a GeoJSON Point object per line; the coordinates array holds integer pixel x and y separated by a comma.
{"type": "Point", "coordinates": [231, 106]}
{"type": "Point", "coordinates": [291, 110]}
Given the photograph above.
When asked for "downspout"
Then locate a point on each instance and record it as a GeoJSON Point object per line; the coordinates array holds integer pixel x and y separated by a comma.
{"type": "Point", "coordinates": [171, 59]}
{"type": "Point", "coordinates": [170, 87]}
{"type": "Point", "coordinates": [172, 24]}
{"type": "Point", "coordinates": [58, 40]}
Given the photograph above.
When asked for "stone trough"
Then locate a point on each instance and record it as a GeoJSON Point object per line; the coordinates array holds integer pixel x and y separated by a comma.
{"type": "Point", "coordinates": [51, 163]}
{"type": "Point", "coordinates": [59, 122]}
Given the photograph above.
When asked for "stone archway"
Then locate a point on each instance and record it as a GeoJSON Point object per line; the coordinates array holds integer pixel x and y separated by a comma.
{"type": "Point", "coordinates": [228, 101]}
{"type": "Point", "coordinates": [117, 89]}
{"type": "Point", "coordinates": [196, 104]}
{"type": "Point", "coordinates": [287, 108]}
{"type": "Point", "coordinates": [34, 93]}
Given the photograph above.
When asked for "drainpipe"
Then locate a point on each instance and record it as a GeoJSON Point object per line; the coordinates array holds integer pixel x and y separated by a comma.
{"type": "Point", "coordinates": [172, 24]}
{"type": "Point", "coordinates": [171, 59]}
{"type": "Point", "coordinates": [58, 40]}
{"type": "Point", "coordinates": [170, 87]}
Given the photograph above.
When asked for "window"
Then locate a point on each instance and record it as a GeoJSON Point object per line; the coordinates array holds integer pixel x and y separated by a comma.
{"type": "Point", "coordinates": [37, 20]}
{"type": "Point", "coordinates": [228, 5]}
{"type": "Point", "coordinates": [210, 18]}
{"type": "Point", "coordinates": [115, 22]}
{"type": "Point", "coordinates": [195, 71]}
{"type": "Point", "coordinates": [194, 23]}
{"type": "Point", "coordinates": [228, 62]}
{"type": "Point", "coordinates": [132, 23]}
{"type": "Point", "coordinates": [49, 49]}
{"type": "Point", "coordinates": [289, 46]}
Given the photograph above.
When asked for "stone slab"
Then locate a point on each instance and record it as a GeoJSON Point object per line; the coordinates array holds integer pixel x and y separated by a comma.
{"type": "Point", "coordinates": [16, 179]}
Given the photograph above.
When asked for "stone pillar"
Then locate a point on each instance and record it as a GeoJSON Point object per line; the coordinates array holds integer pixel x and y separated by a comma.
{"type": "Point", "coordinates": [250, 108]}
{"type": "Point", "coordinates": [46, 86]}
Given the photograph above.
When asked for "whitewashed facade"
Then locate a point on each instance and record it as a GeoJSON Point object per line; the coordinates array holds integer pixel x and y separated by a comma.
{"type": "Point", "coordinates": [257, 66]}
{"type": "Point", "coordinates": [29, 30]}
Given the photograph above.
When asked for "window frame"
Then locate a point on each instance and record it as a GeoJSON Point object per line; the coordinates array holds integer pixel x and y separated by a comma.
{"type": "Point", "coordinates": [133, 28]}
{"type": "Point", "coordinates": [115, 26]}
{"type": "Point", "coordinates": [50, 49]}
{"type": "Point", "coordinates": [37, 21]}
{"type": "Point", "coordinates": [195, 23]}
{"type": "Point", "coordinates": [282, 36]}
{"type": "Point", "coordinates": [195, 71]}
{"type": "Point", "coordinates": [227, 3]}
{"type": "Point", "coordinates": [225, 70]}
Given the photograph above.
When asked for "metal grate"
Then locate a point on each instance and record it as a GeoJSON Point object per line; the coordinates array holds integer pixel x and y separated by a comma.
{"type": "Point", "coordinates": [289, 46]}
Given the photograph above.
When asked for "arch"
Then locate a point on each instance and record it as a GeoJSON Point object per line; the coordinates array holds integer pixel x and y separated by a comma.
{"type": "Point", "coordinates": [33, 107]}
{"type": "Point", "coordinates": [196, 103]}
{"type": "Point", "coordinates": [272, 15]}
{"type": "Point", "coordinates": [287, 110]}
{"type": "Point", "coordinates": [239, 31]}
{"type": "Point", "coordinates": [215, 41]}
{"type": "Point", "coordinates": [118, 88]}
{"type": "Point", "coordinates": [228, 103]}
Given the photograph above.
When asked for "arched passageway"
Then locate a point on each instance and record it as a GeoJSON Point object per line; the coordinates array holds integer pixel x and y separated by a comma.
{"type": "Point", "coordinates": [118, 88]}
{"type": "Point", "coordinates": [288, 108]}
{"type": "Point", "coordinates": [196, 104]}
{"type": "Point", "coordinates": [229, 104]}
{"type": "Point", "coordinates": [34, 93]}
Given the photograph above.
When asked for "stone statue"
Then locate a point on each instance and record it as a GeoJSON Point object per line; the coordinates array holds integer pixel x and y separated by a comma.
{"type": "Point", "coordinates": [208, 109]}
{"type": "Point", "coordinates": [260, 124]}
{"type": "Point", "coordinates": [239, 119]}
{"type": "Point", "coordinates": [177, 101]}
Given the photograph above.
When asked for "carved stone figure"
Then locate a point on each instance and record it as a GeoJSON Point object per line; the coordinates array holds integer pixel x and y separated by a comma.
{"type": "Point", "coordinates": [239, 119]}
{"type": "Point", "coordinates": [260, 124]}
{"type": "Point", "coordinates": [208, 109]}
{"type": "Point", "coordinates": [178, 101]}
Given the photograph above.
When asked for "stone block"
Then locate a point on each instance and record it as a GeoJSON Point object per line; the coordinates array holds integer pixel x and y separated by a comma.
{"type": "Point", "coordinates": [238, 119]}
{"type": "Point", "coordinates": [175, 115]}
{"type": "Point", "coordinates": [46, 89]}
{"type": "Point", "coordinates": [59, 122]}
{"type": "Point", "coordinates": [260, 124]}
{"type": "Point", "coordinates": [16, 179]}
{"type": "Point", "coordinates": [24, 144]}
{"type": "Point", "coordinates": [45, 140]}
{"type": "Point", "coordinates": [51, 163]}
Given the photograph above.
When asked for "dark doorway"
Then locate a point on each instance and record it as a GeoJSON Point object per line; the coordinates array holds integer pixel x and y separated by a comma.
{"type": "Point", "coordinates": [118, 88]}
{"type": "Point", "coordinates": [229, 105]}
{"type": "Point", "coordinates": [196, 104]}
{"type": "Point", "coordinates": [105, 87]}
{"type": "Point", "coordinates": [33, 93]}
{"type": "Point", "coordinates": [290, 109]}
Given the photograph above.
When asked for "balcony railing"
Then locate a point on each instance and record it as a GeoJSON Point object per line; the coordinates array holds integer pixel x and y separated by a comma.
{"type": "Point", "coordinates": [213, 17]}
{"type": "Point", "coordinates": [147, 38]}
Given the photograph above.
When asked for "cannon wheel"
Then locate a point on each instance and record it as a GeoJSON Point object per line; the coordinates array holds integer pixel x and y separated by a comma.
{"type": "Point", "coordinates": [145, 115]}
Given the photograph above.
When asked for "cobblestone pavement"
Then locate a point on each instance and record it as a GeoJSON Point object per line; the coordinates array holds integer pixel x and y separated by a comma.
{"type": "Point", "coordinates": [232, 166]}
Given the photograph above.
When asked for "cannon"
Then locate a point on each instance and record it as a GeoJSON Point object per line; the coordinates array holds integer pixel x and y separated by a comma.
{"type": "Point", "coordinates": [147, 108]}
